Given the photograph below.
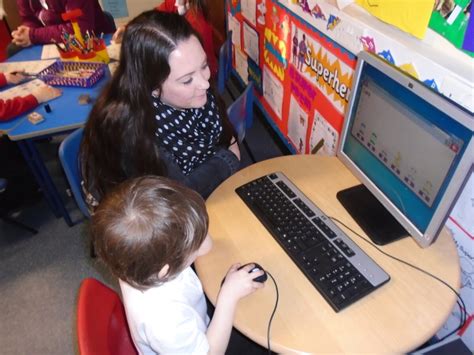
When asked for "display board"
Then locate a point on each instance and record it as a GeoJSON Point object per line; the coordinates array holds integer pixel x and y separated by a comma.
{"type": "Point", "coordinates": [301, 56]}
{"type": "Point", "coordinates": [302, 77]}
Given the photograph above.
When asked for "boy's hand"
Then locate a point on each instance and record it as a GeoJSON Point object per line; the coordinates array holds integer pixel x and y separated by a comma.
{"type": "Point", "coordinates": [240, 283]}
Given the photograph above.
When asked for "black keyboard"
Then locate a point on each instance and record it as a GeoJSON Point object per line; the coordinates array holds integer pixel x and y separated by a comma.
{"type": "Point", "coordinates": [332, 262]}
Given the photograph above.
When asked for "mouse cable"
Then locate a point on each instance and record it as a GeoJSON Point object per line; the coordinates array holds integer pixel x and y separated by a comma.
{"type": "Point", "coordinates": [273, 312]}
{"type": "Point", "coordinates": [459, 301]}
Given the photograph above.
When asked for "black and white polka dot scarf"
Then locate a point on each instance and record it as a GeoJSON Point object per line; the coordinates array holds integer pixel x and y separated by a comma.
{"type": "Point", "coordinates": [190, 135]}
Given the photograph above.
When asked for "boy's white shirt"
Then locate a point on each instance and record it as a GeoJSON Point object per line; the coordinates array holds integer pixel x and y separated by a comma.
{"type": "Point", "coordinates": [168, 319]}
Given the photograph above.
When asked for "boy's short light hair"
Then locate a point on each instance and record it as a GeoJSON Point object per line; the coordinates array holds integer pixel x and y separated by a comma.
{"type": "Point", "coordinates": [146, 223]}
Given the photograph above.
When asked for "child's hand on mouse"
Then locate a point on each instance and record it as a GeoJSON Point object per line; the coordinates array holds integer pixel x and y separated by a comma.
{"type": "Point", "coordinates": [240, 283]}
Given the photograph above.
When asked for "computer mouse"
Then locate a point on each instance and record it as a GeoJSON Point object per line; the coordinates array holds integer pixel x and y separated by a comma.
{"type": "Point", "coordinates": [257, 267]}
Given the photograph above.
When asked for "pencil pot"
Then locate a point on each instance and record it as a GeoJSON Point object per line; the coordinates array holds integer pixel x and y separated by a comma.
{"type": "Point", "coordinates": [101, 50]}
{"type": "Point", "coordinates": [102, 56]}
{"type": "Point", "coordinates": [68, 56]}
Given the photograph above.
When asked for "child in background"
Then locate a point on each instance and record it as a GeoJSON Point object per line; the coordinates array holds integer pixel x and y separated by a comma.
{"type": "Point", "coordinates": [11, 108]}
{"type": "Point", "coordinates": [148, 231]}
{"type": "Point", "coordinates": [195, 12]}
{"type": "Point", "coordinates": [41, 20]}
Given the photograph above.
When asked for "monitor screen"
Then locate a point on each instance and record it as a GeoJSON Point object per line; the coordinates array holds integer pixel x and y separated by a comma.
{"type": "Point", "coordinates": [408, 145]}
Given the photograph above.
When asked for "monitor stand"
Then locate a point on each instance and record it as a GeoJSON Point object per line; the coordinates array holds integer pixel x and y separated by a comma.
{"type": "Point", "coordinates": [381, 227]}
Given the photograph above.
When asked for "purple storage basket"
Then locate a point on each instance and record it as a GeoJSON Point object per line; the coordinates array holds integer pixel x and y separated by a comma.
{"type": "Point", "coordinates": [51, 75]}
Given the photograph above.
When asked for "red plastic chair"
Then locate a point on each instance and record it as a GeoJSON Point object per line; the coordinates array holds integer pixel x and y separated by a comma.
{"type": "Point", "coordinates": [102, 327]}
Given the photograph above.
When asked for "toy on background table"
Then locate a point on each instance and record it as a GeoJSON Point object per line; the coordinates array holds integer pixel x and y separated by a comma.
{"type": "Point", "coordinates": [81, 47]}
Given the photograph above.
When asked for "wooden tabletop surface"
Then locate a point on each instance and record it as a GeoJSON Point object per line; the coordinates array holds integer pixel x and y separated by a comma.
{"type": "Point", "coordinates": [398, 317]}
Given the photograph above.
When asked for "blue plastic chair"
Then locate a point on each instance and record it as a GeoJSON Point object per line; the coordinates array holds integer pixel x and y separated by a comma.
{"type": "Point", "coordinates": [240, 114]}
{"type": "Point", "coordinates": [69, 156]}
{"type": "Point", "coordinates": [225, 64]}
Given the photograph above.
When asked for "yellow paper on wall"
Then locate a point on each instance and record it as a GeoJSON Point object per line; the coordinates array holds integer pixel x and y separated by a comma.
{"type": "Point", "coordinates": [411, 16]}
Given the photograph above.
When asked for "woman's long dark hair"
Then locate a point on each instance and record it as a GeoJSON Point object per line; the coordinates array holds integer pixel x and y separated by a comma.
{"type": "Point", "coordinates": [119, 137]}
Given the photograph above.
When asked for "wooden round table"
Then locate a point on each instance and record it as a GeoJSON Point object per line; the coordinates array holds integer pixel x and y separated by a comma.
{"type": "Point", "coordinates": [396, 318]}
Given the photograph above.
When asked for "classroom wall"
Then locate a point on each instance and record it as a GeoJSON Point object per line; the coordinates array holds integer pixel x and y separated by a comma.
{"type": "Point", "coordinates": [124, 10]}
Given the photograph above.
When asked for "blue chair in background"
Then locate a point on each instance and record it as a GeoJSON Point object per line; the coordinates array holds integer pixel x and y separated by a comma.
{"type": "Point", "coordinates": [4, 212]}
{"type": "Point", "coordinates": [240, 114]}
{"type": "Point", "coordinates": [225, 64]}
{"type": "Point", "coordinates": [69, 157]}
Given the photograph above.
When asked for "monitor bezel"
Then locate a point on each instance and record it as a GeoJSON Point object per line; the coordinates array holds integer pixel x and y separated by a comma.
{"type": "Point", "coordinates": [443, 104]}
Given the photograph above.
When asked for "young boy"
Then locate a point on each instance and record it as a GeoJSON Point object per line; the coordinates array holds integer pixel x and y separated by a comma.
{"type": "Point", "coordinates": [149, 231]}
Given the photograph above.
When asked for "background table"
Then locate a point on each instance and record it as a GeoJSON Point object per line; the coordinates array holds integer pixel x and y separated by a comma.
{"type": "Point", "coordinates": [66, 115]}
{"type": "Point", "coordinates": [398, 317]}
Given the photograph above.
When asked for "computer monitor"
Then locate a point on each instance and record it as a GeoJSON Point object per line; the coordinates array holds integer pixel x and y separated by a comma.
{"type": "Point", "coordinates": [410, 147]}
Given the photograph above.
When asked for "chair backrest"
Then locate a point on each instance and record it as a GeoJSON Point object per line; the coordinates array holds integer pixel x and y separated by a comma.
{"type": "Point", "coordinates": [69, 157]}
{"type": "Point", "coordinates": [240, 112]}
{"type": "Point", "coordinates": [101, 322]}
{"type": "Point", "coordinates": [225, 63]}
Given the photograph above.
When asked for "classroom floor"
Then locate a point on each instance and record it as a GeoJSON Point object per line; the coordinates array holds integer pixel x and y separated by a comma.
{"type": "Point", "coordinates": [40, 274]}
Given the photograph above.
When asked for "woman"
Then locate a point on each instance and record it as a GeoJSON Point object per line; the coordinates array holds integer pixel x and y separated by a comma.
{"type": "Point", "coordinates": [157, 115]}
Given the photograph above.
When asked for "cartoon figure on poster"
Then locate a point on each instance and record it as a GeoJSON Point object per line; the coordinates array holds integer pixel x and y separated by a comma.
{"type": "Point", "coordinates": [332, 22]}
{"type": "Point", "coordinates": [275, 18]}
{"type": "Point", "coordinates": [302, 48]}
{"type": "Point", "coordinates": [305, 6]}
{"type": "Point", "coordinates": [318, 13]}
{"type": "Point", "coordinates": [368, 43]}
{"type": "Point", "coordinates": [285, 26]}
{"type": "Point", "coordinates": [295, 47]}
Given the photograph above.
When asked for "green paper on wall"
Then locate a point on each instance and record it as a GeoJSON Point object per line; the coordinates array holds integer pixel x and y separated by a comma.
{"type": "Point", "coordinates": [450, 19]}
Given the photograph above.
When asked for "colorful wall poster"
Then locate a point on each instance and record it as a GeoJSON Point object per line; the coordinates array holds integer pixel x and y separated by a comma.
{"type": "Point", "coordinates": [326, 70]}
{"type": "Point", "coordinates": [293, 66]}
{"type": "Point", "coordinates": [297, 125]}
{"type": "Point", "coordinates": [234, 26]}
{"type": "Point", "coordinates": [450, 19]}
{"type": "Point", "coordinates": [241, 65]}
{"type": "Point", "coordinates": [249, 11]}
{"type": "Point", "coordinates": [251, 44]}
{"type": "Point", "coordinates": [273, 92]}
{"type": "Point", "coordinates": [323, 134]}
{"type": "Point", "coordinates": [468, 43]}
{"type": "Point", "coordinates": [408, 15]}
